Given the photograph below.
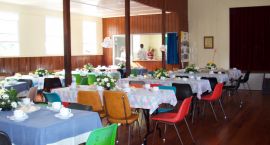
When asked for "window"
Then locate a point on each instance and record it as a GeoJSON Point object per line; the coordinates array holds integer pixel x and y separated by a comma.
{"type": "Point", "coordinates": [9, 37]}
{"type": "Point", "coordinates": [89, 37]}
{"type": "Point", "coordinates": [54, 36]}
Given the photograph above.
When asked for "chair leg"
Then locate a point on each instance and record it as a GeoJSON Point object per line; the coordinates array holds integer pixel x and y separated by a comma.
{"type": "Point", "coordinates": [155, 130]}
{"type": "Point", "coordinates": [203, 108]}
{"type": "Point", "coordinates": [225, 117]}
{"type": "Point", "coordinates": [139, 129]}
{"type": "Point", "coordinates": [250, 93]}
{"type": "Point", "coordinates": [129, 132]}
{"type": "Point", "coordinates": [164, 139]}
{"type": "Point", "coordinates": [193, 111]}
{"type": "Point", "coordinates": [178, 134]}
{"type": "Point", "coordinates": [213, 111]}
{"type": "Point", "coordinates": [189, 130]}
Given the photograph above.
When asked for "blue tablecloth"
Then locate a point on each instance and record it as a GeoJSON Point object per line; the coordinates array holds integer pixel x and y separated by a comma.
{"type": "Point", "coordinates": [19, 86]}
{"type": "Point", "coordinates": [42, 127]}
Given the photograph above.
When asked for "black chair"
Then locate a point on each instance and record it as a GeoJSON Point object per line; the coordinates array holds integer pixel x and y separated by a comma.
{"type": "Point", "coordinates": [182, 76]}
{"type": "Point", "coordinates": [28, 81]}
{"type": "Point", "coordinates": [78, 106]}
{"type": "Point", "coordinates": [137, 82]}
{"type": "Point", "coordinates": [233, 89]}
{"type": "Point", "coordinates": [51, 83]}
{"type": "Point", "coordinates": [244, 81]}
{"type": "Point", "coordinates": [4, 139]}
{"type": "Point", "coordinates": [121, 72]}
{"type": "Point", "coordinates": [213, 81]}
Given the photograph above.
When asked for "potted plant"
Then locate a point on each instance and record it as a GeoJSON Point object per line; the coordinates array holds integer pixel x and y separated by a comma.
{"type": "Point", "coordinates": [8, 99]}
{"type": "Point", "coordinates": [88, 67]}
{"type": "Point", "coordinates": [41, 72]}
{"type": "Point", "coordinates": [191, 68]}
{"type": "Point", "coordinates": [160, 74]}
{"type": "Point", "coordinates": [105, 81]}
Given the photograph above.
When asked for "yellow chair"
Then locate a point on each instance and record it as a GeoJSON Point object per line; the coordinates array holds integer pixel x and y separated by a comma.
{"type": "Point", "coordinates": [91, 98]}
{"type": "Point", "coordinates": [118, 109]}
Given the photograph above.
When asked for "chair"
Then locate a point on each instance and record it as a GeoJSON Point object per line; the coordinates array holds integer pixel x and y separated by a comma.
{"type": "Point", "coordinates": [51, 83]}
{"type": "Point", "coordinates": [84, 81]}
{"type": "Point", "coordinates": [244, 82]}
{"type": "Point", "coordinates": [137, 84]}
{"type": "Point", "coordinates": [155, 85]}
{"type": "Point", "coordinates": [78, 78]}
{"type": "Point", "coordinates": [118, 109]}
{"type": "Point", "coordinates": [4, 139]}
{"type": "Point", "coordinates": [134, 72]}
{"type": "Point", "coordinates": [52, 97]}
{"type": "Point", "coordinates": [163, 110]}
{"type": "Point", "coordinates": [103, 136]}
{"type": "Point", "coordinates": [233, 89]}
{"type": "Point", "coordinates": [182, 91]}
{"type": "Point", "coordinates": [213, 81]}
{"type": "Point", "coordinates": [28, 81]}
{"type": "Point", "coordinates": [91, 79]}
{"type": "Point", "coordinates": [121, 72]}
{"type": "Point", "coordinates": [32, 93]}
{"type": "Point", "coordinates": [173, 118]}
{"type": "Point", "coordinates": [78, 106]}
{"type": "Point", "coordinates": [214, 97]}
{"type": "Point", "coordinates": [91, 98]}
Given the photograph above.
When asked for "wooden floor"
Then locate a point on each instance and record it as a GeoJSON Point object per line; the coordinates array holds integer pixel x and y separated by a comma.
{"type": "Point", "coordinates": [249, 125]}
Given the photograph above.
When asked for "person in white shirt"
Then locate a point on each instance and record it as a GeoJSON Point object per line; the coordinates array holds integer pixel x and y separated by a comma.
{"type": "Point", "coordinates": [142, 53]}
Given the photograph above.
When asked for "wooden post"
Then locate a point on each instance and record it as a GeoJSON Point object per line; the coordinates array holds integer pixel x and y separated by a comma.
{"type": "Point", "coordinates": [127, 33]}
{"type": "Point", "coordinates": [67, 42]}
{"type": "Point", "coordinates": [163, 31]}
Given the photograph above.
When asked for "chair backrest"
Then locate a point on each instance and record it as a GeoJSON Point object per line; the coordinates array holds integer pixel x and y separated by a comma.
{"type": "Point", "coordinates": [137, 84]}
{"type": "Point", "coordinates": [28, 81]}
{"type": "Point", "coordinates": [212, 80]}
{"type": "Point", "coordinates": [78, 78]}
{"type": "Point", "coordinates": [91, 79]}
{"type": "Point", "coordinates": [154, 85]}
{"type": "Point", "coordinates": [246, 77]}
{"type": "Point", "coordinates": [32, 93]}
{"type": "Point", "coordinates": [217, 91]}
{"type": "Point", "coordinates": [103, 136]}
{"type": "Point", "coordinates": [121, 72]}
{"type": "Point", "coordinates": [4, 139]}
{"type": "Point", "coordinates": [117, 105]}
{"type": "Point", "coordinates": [52, 97]}
{"type": "Point", "coordinates": [51, 83]}
{"type": "Point", "coordinates": [84, 81]}
{"type": "Point", "coordinates": [78, 106]}
{"type": "Point", "coordinates": [182, 91]}
{"type": "Point", "coordinates": [184, 109]}
{"type": "Point", "coordinates": [90, 98]}
{"type": "Point", "coordinates": [181, 76]}
{"type": "Point", "coordinates": [167, 88]}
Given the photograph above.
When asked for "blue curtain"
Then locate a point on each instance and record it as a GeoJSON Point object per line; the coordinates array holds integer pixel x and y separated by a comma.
{"type": "Point", "coordinates": [172, 48]}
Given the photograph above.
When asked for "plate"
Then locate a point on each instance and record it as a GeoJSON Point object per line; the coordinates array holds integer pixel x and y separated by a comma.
{"type": "Point", "coordinates": [58, 115]}
{"type": "Point", "coordinates": [17, 119]}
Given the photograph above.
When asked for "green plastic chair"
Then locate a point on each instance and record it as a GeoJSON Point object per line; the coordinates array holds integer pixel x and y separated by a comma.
{"type": "Point", "coordinates": [78, 78]}
{"type": "Point", "coordinates": [103, 136]}
{"type": "Point", "coordinates": [134, 72]}
{"type": "Point", "coordinates": [91, 79]}
{"type": "Point", "coordinates": [52, 97]}
{"type": "Point", "coordinates": [115, 75]}
{"type": "Point", "coordinates": [84, 81]}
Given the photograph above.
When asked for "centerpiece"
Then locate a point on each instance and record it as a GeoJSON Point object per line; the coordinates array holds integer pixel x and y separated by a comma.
{"type": "Point", "coordinates": [191, 69]}
{"type": "Point", "coordinates": [211, 65]}
{"type": "Point", "coordinates": [41, 72]}
{"type": "Point", "coordinates": [160, 74]}
{"type": "Point", "coordinates": [105, 81]}
{"type": "Point", "coordinates": [88, 67]}
{"type": "Point", "coordinates": [8, 99]}
{"type": "Point", "coordinates": [121, 65]}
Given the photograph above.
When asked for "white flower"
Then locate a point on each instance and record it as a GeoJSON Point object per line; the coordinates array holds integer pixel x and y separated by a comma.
{"type": "Point", "coordinates": [3, 103]}
{"type": "Point", "coordinates": [112, 80]}
{"type": "Point", "coordinates": [98, 79]}
{"type": "Point", "coordinates": [108, 85]}
{"type": "Point", "coordinates": [106, 79]}
{"type": "Point", "coordinates": [14, 105]}
{"type": "Point", "coordinates": [5, 96]}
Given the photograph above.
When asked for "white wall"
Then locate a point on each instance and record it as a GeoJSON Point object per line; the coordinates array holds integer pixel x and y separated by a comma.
{"type": "Point", "coordinates": [32, 29]}
{"type": "Point", "coordinates": [211, 18]}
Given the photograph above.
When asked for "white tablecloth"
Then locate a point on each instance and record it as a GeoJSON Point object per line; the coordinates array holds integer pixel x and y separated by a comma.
{"type": "Point", "coordinates": [220, 77]}
{"type": "Point", "coordinates": [138, 98]}
{"type": "Point", "coordinates": [197, 86]}
{"type": "Point", "coordinates": [234, 73]}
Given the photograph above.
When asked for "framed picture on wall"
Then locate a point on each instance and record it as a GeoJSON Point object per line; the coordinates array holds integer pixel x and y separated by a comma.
{"type": "Point", "coordinates": [208, 42]}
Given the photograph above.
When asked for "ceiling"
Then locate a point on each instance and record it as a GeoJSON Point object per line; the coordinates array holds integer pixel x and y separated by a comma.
{"type": "Point", "coordinates": [99, 8]}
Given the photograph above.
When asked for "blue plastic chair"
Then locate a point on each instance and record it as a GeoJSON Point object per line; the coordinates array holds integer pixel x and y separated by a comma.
{"type": "Point", "coordinates": [52, 97]}
{"type": "Point", "coordinates": [163, 110]}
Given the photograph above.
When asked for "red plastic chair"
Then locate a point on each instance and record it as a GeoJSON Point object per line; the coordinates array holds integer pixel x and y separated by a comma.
{"type": "Point", "coordinates": [214, 97]}
{"type": "Point", "coordinates": [154, 85]}
{"type": "Point", "coordinates": [173, 118]}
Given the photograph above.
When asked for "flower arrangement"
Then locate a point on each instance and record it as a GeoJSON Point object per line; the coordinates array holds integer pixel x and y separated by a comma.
{"type": "Point", "coordinates": [8, 99]}
{"type": "Point", "coordinates": [121, 65]}
{"type": "Point", "coordinates": [105, 81]}
{"type": "Point", "coordinates": [150, 53]}
{"type": "Point", "coordinates": [41, 72]}
{"type": "Point", "coordinates": [191, 68]}
{"type": "Point", "coordinates": [160, 74]}
{"type": "Point", "coordinates": [88, 67]}
{"type": "Point", "coordinates": [211, 65]}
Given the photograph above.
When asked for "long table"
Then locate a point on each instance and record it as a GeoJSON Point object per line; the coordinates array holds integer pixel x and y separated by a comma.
{"type": "Point", "coordinates": [18, 86]}
{"type": "Point", "coordinates": [43, 128]}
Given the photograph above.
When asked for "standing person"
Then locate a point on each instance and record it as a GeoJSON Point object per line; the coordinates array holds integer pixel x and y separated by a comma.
{"type": "Point", "coordinates": [142, 53]}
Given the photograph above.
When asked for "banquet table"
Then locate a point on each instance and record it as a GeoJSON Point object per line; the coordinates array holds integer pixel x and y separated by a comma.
{"type": "Point", "coordinates": [138, 98]}
{"type": "Point", "coordinates": [43, 128]}
{"type": "Point", "coordinates": [18, 86]}
{"type": "Point", "coordinates": [37, 81]}
{"type": "Point", "coordinates": [220, 77]}
{"type": "Point", "coordinates": [114, 74]}
{"type": "Point", "coordinates": [197, 86]}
